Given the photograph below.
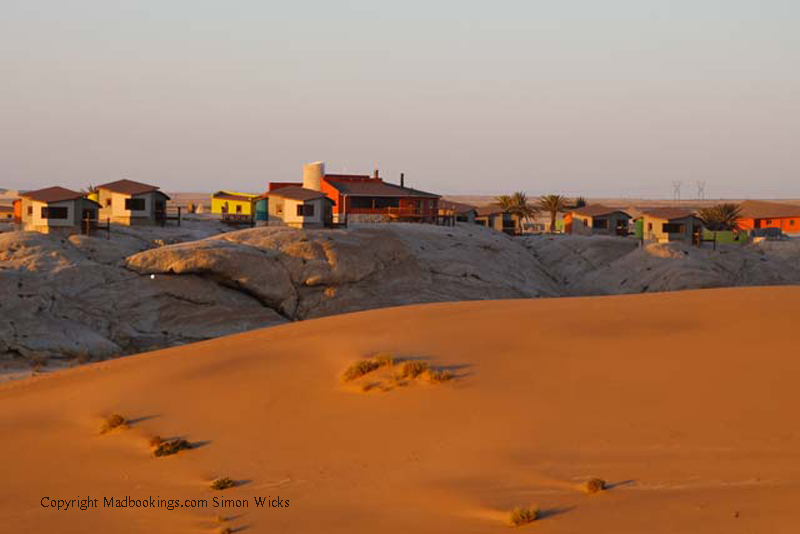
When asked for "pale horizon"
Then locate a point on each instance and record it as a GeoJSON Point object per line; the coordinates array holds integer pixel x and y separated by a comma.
{"type": "Point", "coordinates": [465, 98]}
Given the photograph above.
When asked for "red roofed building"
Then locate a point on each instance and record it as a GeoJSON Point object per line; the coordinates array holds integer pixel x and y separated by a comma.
{"type": "Point", "coordinates": [364, 198]}
{"type": "Point", "coordinates": [756, 214]}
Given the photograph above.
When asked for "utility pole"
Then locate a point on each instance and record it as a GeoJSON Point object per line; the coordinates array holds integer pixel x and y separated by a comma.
{"type": "Point", "coordinates": [676, 190]}
{"type": "Point", "coordinates": [701, 190]}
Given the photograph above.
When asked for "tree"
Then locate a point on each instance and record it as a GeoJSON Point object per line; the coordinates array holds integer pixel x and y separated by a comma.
{"type": "Point", "coordinates": [721, 218]}
{"type": "Point", "coordinates": [518, 205]}
{"type": "Point", "coordinates": [579, 202]}
{"type": "Point", "coordinates": [553, 204]}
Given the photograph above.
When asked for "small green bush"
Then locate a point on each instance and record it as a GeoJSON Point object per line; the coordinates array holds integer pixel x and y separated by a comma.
{"type": "Point", "coordinates": [523, 515]}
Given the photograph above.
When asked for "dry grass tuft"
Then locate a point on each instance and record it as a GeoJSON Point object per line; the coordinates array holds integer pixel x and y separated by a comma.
{"type": "Point", "coordinates": [359, 369]}
{"type": "Point", "coordinates": [594, 485]}
{"type": "Point", "coordinates": [113, 422]}
{"type": "Point", "coordinates": [439, 376]}
{"type": "Point", "coordinates": [222, 483]}
{"type": "Point", "coordinates": [413, 369]}
{"type": "Point", "coordinates": [523, 515]}
{"type": "Point", "coordinates": [384, 359]}
{"type": "Point", "coordinates": [167, 448]}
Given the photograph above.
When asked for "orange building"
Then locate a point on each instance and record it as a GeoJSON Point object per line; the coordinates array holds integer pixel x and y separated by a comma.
{"type": "Point", "coordinates": [756, 214]}
{"type": "Point", "coordinates": [367, 198]}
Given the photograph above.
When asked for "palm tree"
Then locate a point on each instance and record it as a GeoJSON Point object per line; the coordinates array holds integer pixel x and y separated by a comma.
{"type": "Point", "coordinates": [517, 204]}
{"type": "Point", "coordinates": [552, 204]}
{"type": "Point", "coordinates": [721, 218]}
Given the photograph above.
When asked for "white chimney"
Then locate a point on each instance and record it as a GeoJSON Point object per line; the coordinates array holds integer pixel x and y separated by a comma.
{"type": "Point", "coordinates": [312, 175]}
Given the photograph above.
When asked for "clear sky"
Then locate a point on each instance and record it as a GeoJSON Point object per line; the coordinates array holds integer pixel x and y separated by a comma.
{"type": "Point", "coordinates": [593, 97]}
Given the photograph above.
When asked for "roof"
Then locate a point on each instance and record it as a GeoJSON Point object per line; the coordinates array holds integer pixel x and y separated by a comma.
{"type": "Point", "coordinates": [373, 188]}
{"type": "Point", "coordinates": [52, 194]}
{"type": "Point", "coordinates": [128, 187]}
{"type": "Point", "coordinates": [232, 195]}
{"type": "Point", "coordinates": [490, 209]}
{"type": "Point", "coordinates": [297, 193]}
{"type": "Point", "coordinates": [596, 210]}
{"type": "Point", "coordinates": [758, 209]}
{"type": "Point", "coordinates": [458, 207]}
{"type": "Point", "coordinates": [6, 207]}
{"type": "Point", "coordinates": [668, 214]}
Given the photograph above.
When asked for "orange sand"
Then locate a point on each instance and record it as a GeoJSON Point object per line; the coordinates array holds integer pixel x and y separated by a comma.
{"type": "Point", "coordinates": [685, 402]}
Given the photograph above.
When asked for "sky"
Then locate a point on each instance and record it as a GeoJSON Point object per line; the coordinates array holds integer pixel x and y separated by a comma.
{"type": "Point", "coordinates": [580, 97]}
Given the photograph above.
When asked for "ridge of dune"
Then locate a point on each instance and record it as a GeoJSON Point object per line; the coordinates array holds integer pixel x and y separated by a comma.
{"type": "Point", "coordinates": [681, 401]}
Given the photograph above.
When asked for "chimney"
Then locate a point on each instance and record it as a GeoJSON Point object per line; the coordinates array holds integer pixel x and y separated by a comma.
{"type": "Point", "coordinates": [402, 179]}
{"type": "Point", "coordinates": [377, 176]}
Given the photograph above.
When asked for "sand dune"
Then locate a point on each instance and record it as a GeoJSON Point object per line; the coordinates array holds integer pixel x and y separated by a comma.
{"type": "Point", "coordinates": [683, 402]}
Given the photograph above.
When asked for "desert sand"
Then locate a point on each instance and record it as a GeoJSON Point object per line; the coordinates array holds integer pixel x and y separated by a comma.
{"type": "Point", "coordinates": [683, 402]}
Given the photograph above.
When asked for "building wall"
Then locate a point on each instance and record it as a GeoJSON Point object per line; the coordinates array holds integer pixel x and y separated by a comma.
{"type": "Point", "coordinates": [788, 225]}
{"type": "Point", "coordinates": [653, 229]}
{"type": "Point", "coordinates": [246, 206]}
{"type": "Point", "coordinates": [284, 211]}
{"type": "Point", "coordinates": [112, 206]}
{"type": "Point", "coordinates": [32, 219]}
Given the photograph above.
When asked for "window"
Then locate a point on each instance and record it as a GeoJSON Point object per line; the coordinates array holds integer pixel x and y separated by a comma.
{"type": "Point", "coordinates": [279, 208]}
{"type": "Point", "coordinates": [361, 203]}
{"type": "Point", "coordinates": [791, 222]}
{"type": "Point", "coordinates": [108, 202]}
{"type": "Point", "coordinates": [55, 213]}
{"type": "Point", "coordinates": [600, 224]}
{"type": "Point", "coordinates": [387, 202]}
{"type": "Point", "coordinates": [134, 204]}
{"type": "Point", "coordinates": [305, 210]}
{"type": "Point", "coordinates": [30, 210]}
{"type": "Point", "coordinates": [238, 208]}
{"type": "Point", "coordinates": [673, 228]}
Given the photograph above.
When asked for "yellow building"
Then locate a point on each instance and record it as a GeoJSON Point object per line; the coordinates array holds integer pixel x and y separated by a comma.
{"type": "Point", "coordinates": [232, 203]}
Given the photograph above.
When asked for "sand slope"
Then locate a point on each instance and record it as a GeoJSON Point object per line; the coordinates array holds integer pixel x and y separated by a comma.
{"type": "Point", "coordinates": [685, 401]}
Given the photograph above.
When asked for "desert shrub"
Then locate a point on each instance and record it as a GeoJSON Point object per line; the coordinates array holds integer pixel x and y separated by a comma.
{"type": "Point", "coordinates": [222, 483]}
{"type": "Point", "coordinates": [359, 369]}
{"type": "Point", "coordinates": [438, 376]}
{"type": "Point", "coordinates": [594, 485]}
{"type": "Point", "coordinates": [384, 359]}
{"type": "Point", "coordinates": [523, 515]}
{"type": "Point", "coordinates": [167, 448]}
{"type": "Point", "coordinates": [413, 369]}
{"type": "Point", "coordinates": [113, 422]}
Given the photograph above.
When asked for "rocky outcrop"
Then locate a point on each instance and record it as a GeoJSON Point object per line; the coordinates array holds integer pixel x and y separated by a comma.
{"type": "Point", "coordinates": [92, 297]}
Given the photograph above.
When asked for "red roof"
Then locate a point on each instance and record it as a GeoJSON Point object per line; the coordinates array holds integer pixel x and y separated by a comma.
{"type": "Point", "coordinates": [128, 187]}
{"type": "Point", "coordinates": [296, 193]}
{"type": "Point", "coordinates": [52, 194]}
{"type": "Point", "coordinates": [758, 209]}
{"type": "Point", "coordinates": [668, 214]}
{"type": "Point", "coordinates": [364, 186]}
{"type": "Point", "coordinates": [596, 210]}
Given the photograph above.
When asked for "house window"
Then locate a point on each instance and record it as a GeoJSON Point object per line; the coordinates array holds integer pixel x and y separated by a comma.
{"type": "Point", "coordinates": [108, 202]}
{"type": "Point", "coordinates": [649, 227]}
{"type": "Point", "coordinates": [672, 228]}
{"type": "Point", "coordinates": [279, 208]}
{"type": "Point", "coordinates": [387, 202]}
{"type": "Point", "coordinates": [55, 213]}
{"type": "Point", "coordinates": [791, 222]}
{"type": "Point", "coordinates": [361, 203]}
{"type": "Point", "coordinates": [238, 208]}
{"type": "Point", "coordinates": [134, 204]}
{"type": "Point", "coordinates": [600, 224]}
{"type": "Point", "coordinates": [305, 210]}
{"type": "Point", "coordinates": [30, 210]}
